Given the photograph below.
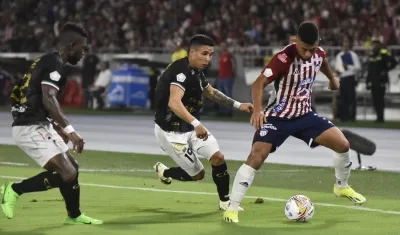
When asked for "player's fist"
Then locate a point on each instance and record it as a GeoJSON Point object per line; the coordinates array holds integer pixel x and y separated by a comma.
{"type": "Point", "coordinates": [258, 119]}
{"type": "Point", "coordinates": [77, 142]}
{"type": "Point", "coordinates": [201, 132]}
{"type": "Point", "coordinates": [333, 85]}
{"type": "Point", "coordinates": [246, 107]}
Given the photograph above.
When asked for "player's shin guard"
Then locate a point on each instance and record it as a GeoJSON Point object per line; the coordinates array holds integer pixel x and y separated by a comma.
{"type": "Point", "coordinates": [221, 179]}
{"type": "Point", "coordinates": [243, 180]}
{"type": "Point", "coordinates": [41, 182]}
{"type": "Point", "coordinates": [71, 194]}
{"type": "Point", "coordinates": [177, 173]}
{"type": "Point", "coordinates": [342, 163]}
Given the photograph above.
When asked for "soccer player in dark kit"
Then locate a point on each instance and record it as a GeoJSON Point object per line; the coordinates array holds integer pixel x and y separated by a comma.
{"type": "Point", "coordinates": [178, 131]}
{"type": "Point", "coordinates": [37, 120]}
{"type": "Point", "coordinates": [292, 72]}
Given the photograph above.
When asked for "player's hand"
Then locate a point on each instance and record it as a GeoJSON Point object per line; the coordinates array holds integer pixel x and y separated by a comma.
{"type": "Point", "coordinates": [333, 85]}
{"type": "Point", "coordinates": [77, 142]}
{"type": "Point", "coordinates": [258, 119]}
{"type": "Point", "coordinates": [201, 132]}
{"type": "Point", "coordinates": [246, 107]}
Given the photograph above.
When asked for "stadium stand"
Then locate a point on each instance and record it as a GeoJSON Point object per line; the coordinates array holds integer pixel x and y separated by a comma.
{"type": "Point", "coordinates": [120, 26]}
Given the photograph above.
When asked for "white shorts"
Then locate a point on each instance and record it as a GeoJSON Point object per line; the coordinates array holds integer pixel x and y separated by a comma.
{"type": "Point", "coordinates": [40, 142]}
{"type": "Point", "coordinates": [185, 148]}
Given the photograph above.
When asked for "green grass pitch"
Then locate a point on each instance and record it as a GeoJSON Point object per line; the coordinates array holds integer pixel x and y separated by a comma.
{"type": "Point", "coordinates": [122, 189]}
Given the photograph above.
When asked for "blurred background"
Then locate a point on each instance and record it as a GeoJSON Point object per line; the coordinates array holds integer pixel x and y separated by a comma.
{"type": "Point", "coordinates": [132, 41]}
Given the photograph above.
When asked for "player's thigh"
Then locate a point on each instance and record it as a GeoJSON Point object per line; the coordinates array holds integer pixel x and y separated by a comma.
{"type": "Point", "coordinates": [205, 148]}
{"type": "Point", "coordinates": [317, 130]}
{"type": "Point", "coordinates": [177, 147]}
{"type": "Point", "coordinates": [40, 142]}
{"type": "Point", "coordinates": [273, 133]}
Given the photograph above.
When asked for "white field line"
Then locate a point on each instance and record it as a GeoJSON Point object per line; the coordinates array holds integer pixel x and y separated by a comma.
{"type": "Point", "coordinates": [146, 170]}
{"type": "Point", "coordinates": [360, 208]}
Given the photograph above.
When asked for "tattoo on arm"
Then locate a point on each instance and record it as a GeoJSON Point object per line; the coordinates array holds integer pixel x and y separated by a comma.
{"type": "Point", "coordinates": [220, 98]}
{"type": "Point", "coordinates": [51, 104]}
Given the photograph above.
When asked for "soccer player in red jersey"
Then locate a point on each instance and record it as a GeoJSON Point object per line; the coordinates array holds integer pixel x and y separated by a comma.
{"type": "Point", "coordinates": [292, 72]}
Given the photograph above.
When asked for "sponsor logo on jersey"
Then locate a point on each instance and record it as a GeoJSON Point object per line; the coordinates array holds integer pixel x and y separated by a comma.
{"type": "Point", "coordinates": [282, 57]}
{"type": "Point", "coordinates": [280, 106]}
{"type": "Point", "coordinates": [307, 81]}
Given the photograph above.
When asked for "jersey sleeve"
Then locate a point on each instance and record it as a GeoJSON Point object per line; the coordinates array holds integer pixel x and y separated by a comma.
{"type": "Point", "coordinates": [179, 79]}
{"type": "Point", "coordinates": [52, 73]}
{"type": "Point", "coordinates": [277, 66]}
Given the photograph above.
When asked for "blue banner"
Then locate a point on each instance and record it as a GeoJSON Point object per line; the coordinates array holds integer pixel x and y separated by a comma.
{"type": "Point", "coordinates": [129, 87]}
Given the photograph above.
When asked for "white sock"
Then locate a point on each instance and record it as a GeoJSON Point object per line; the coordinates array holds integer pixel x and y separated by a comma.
{"type": "Point", "coordinates": [243, 179]}
{"type": "Point", "coordinates": [342, 163]}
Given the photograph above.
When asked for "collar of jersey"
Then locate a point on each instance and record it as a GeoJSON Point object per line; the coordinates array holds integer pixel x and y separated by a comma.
{"type": "Point", "coordinates": [196, 71]}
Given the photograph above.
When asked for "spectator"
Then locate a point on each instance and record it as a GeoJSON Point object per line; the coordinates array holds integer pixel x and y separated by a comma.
{"type": "Point", "coordinates": [347, 65]}
{"type": "Point", "coordinates": [120, 26]}
{"type": "Point", "coordinates": [101, 84]}
{"type": "Point", "coordinates": [226, 75]}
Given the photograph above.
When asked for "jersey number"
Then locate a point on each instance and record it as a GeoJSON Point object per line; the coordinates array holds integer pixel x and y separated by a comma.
{"type": "Point", "coordinates": [25, 83]}
{"type": "Point", "coordinates": [188, 154]}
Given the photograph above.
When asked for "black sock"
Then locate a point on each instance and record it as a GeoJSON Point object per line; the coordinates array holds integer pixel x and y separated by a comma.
{"type": "Point", "coordinates": [41, 182]}
{"type": "Point", "coordinates": [177, 173]}
{"type": "Point", "coordinates": [71, 194]}
{"type": "Point", "coordinates": [221, 179]}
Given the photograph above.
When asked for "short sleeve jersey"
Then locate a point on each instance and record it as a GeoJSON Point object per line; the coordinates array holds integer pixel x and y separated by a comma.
{"type": "Point", "coordinates": [26, 98]}
{"type": "Point", "coordinates": [192, 82]}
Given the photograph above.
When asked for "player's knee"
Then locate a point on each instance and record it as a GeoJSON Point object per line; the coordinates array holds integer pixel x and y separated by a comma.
{"type": "Point", "coordinates": [258, 155]}
{"type": "Point", "coordinates": [69, 175]}
{"type": "Point", "coordinates": [343, 146]}
{"type": "Point", "coordinates": [255, 160]}
{"type": "Point", "coordinates": [199, 176]}
{"type": "Point", "coordinates": [217, 159]}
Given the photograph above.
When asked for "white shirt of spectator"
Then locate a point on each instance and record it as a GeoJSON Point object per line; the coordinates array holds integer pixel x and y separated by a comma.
{"type": "Point", "coordinates": [104, 78]}
{"type": "Point", "coordinates": [351, 69]}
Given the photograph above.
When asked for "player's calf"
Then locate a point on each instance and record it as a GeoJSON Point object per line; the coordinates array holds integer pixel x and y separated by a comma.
{"type": "Point", "coordinates": [167, 174]}
{"type": "Point", "coordinates": [220, 175]}
{"type": "Point", "coordinates": [245, 175]}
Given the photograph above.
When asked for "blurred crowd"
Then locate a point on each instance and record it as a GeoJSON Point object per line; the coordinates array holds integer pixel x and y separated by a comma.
{"type": "Point", "coordinates": [134, 25]}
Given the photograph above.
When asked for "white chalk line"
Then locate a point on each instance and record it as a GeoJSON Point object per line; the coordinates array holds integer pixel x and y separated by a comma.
{"type": "Point", "coordinates": [360, 208]}
{"type": "Point", "coordinates": [147, 170]}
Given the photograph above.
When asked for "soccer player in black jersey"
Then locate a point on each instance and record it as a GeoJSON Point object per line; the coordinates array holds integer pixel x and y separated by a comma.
{"type": "Point", "coordinates": [178, 131]}
{"type": "Point", "coordinates": [38, 120]}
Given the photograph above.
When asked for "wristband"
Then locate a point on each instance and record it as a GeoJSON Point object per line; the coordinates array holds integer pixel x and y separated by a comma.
{"type": "Point", "coordinates": [69, 129]}
{"type": "Point", "coordinates": [195, 123]}
{"type": "Point", "coordinates": [236, 104]}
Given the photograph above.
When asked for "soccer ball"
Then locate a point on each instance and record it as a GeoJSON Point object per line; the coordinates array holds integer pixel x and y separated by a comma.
{"type": "Point", "coordinates": [299, 208]}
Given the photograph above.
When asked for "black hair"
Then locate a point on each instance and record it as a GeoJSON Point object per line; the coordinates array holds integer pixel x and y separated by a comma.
{"type": "Point", "coordinates": [71, 32]}
{"type": "Point", "coordinates": [308, 32]}
{"type": "Point", "coordinates": [200, 40]}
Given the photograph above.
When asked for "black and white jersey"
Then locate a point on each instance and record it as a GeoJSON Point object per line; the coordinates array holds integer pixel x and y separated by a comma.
{"type": "Point", "coordinates": [192, 81]}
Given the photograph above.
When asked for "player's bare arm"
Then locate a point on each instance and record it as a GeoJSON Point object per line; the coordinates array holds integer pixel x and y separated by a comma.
{"type": "Point", "coordinates": [61, 132]}
{"type": "Point", "coordinates": [50, 102]}
{"type": "Point", "coordinates": [326, 69]}
{"type": "Point", "coordinates": [176, 105]}
{"type": "Point", "coordinates": [219, 97]}
{"type": "Point", "coordinates": [258, 117]}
